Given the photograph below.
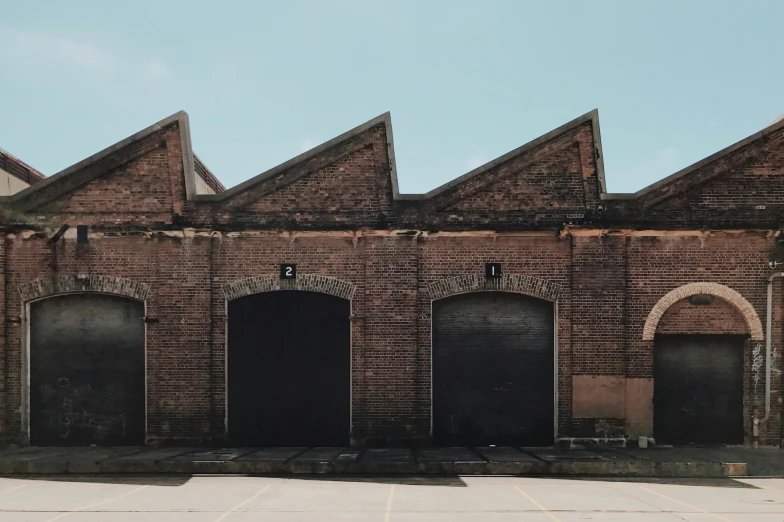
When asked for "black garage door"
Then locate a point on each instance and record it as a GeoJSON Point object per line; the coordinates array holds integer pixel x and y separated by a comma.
{"type": "Point", "coordinates": [289, 381]}
{"type": "Point", "coordinates": [86, 371]}
{"type": "Point", "coordinates": [698, 389]}
{"type": "Point", "coordinates": [493, 370]}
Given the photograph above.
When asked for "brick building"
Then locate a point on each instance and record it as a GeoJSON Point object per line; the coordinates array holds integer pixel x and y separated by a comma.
{"type": "Point", "coordinates": [316, 305]}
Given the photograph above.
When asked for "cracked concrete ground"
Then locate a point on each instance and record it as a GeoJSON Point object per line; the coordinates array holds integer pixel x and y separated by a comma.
{"type": "Point", "coordinates": [397, 499]}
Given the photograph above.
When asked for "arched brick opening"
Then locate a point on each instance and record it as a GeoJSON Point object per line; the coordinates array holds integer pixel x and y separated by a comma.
{"type": "Point", "coordinates": [49, 286]}
{"type": "Point", "coordinates": [521, 284]}
{"type": "Point", "coordinates": [48, 290]}
{"type": "Point", "coordinates": [260, 291]}
{"type": "Point", "coordinates": [723, 292]}
{"type": "Point", "coordinates": [510, 283]}
{"type": "Point", "coordinates": [305, 282]}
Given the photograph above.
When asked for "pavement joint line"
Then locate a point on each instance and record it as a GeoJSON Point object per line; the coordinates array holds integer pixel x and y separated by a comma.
{"type": "Point", "coordinates": [127, 493]}
{"type": "Point", "coordinates": [12, 489]}
{"type": "Point", "coordinates": [662, 495]}
{"type": "Point", "coordinates": [388, 512]}
{"type": "Point", "coordinates": [235, 508]}
{"type": "Point", "coordinates": [537, 504]}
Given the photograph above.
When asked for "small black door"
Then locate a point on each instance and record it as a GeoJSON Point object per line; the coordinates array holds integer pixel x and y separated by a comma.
{"type": "Point", "coordinates": [289, 381]}
{"type": "Point", "coordinates": [87, 371]}
{"type": "Point", "coordinates": [493, 370]}
{"type": "Point", "coordinates": [698, 389]}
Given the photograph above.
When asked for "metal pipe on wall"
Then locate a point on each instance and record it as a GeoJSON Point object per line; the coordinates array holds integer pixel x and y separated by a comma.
{"type": "Point", "coordinates": [768, 343]}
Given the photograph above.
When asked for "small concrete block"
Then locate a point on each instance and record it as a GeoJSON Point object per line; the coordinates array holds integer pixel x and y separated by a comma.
{"type": "Point", "coordinates": [349, 456]}
{"type": "Point", "coordinates": [735, 469]}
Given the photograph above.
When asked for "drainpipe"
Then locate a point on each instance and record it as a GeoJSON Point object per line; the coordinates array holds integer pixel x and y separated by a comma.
{"type": "Point", "coordinates": [768, 343]}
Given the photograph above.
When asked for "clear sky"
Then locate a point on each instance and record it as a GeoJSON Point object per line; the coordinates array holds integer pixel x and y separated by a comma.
{"type": "Point", "coordinates": [465, 82]}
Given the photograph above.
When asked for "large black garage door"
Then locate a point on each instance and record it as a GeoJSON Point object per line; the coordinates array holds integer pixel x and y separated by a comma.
{"type": "Point", "coordinates": [87, 371]}
{"type": "Point", "coordinates": [698, 389]}
{"type": "Point", "coordinates": [493, 370]}
{"type": "Point", "coordinates": [289, 381]}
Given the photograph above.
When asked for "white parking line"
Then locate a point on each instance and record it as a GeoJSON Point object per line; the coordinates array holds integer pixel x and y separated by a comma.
{"type": "Point", "coordinates": [118, 497]}
{"type": "Point", "coordinates": [388, 512]}
{"type": "Point", "coordinates": [235, 508]}
{"type": "Point", "coordinates": [537, 504]}
{"type": "Point", "coordinates": [12, 489]}
{"type": "Point", "coordinates": [662, 495]}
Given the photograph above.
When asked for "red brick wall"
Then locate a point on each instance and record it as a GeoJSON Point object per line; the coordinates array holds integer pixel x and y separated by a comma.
{"type": "Point", "coordinates": [603, 289]}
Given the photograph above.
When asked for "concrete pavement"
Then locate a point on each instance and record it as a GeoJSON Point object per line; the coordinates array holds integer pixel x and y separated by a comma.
{"type": "Point", "coordinates": [386, 499]}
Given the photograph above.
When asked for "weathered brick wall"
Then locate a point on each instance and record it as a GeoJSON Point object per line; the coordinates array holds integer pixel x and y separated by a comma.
{"type": "Point", "coordinates": [139, 185]}
{"type": "Point", "coordinates": [541, 187]}
{"type": "Point", "coordinates": [390, 360]}
{"type": "Point", "coordinates": [333, 215]}
{"type": "Point", "coordinates": [598, 338]}
{"type": "Point", "coordinates": [659, 264]}
{"type": "Point", "coordinates": [598, 357]}
{"type": "Point", "coordinates": [177, 344]}
{"type": "Point", "coordinates": [347, 186]}
{"type": "Point", "coordinates": [544, 255]}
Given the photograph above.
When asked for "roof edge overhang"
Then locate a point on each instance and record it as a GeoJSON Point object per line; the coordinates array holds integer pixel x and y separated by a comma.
{"type": "Point", "coordinates": [384, 119]}
{"type": "Point", "coordinates": [180, 117]}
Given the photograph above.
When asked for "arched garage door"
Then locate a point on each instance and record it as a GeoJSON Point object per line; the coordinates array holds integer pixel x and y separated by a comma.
{"type": "Point", "coordinates": [493, 370]}
{"type": "Point", "coordinates": [87, 371]}
{"type": "Point", "coordinates": [289, 363]}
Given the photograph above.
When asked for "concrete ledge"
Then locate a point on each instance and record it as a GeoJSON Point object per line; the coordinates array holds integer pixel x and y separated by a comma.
{"type": "Point", "coordinates": [353, 461]}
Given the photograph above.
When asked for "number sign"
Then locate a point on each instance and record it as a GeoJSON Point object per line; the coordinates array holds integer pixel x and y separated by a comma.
{"type": "Point", "coordinates": [492, 270]}
{"type": "Point", "coordinates": [288, 271]}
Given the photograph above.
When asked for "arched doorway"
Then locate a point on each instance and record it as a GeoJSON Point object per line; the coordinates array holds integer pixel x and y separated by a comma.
{"type": "Point", "coordinates": [493, 370]}
{"type": "Point", "coordinates": [700, 334]}
{"type": "Point", "coordinates": [87, 370]}
{"type": "Point", "coordinates": [289, 369]}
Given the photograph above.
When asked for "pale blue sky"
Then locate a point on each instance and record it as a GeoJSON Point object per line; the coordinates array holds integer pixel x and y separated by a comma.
{"type": "Point", "coordinates": [674, 81]}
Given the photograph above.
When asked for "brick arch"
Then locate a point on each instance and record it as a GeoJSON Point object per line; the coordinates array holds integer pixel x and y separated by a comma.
{"type": "Point", "coordinates": [723, 292]}
{"type": "Point", "coordinates": [304, 282]}
{"type": "Point", "coordinates": [521, 284]}
{"type": "Point", "coordinates": [105, 284]}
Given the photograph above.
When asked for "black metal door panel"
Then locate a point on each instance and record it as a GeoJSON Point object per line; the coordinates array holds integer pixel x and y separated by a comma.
{"type": "Point", "coordinates": [698, 389]}
{"type": "Point", "coordinates": [493, 370]}
{"type": "Point", "coordinates": [87, 371]}
{"type": "Point", "coordinates": [289, 364]}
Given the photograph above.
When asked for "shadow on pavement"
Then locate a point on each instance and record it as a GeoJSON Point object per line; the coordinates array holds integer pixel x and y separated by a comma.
{"type": "Point", "coordinates": [141, 480]}
{"type": "Point", "coordinates": [453, 481]}
{"type": "Point", "coordinates": [728, 482]}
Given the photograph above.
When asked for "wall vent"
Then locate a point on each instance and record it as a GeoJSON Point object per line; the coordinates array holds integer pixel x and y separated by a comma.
{"type": "Point", "coordinates": [701, 299]}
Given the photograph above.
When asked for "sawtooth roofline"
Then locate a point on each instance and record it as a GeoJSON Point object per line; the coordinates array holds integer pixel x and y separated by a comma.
{"type": "Point", "coordinates": [181, 118]}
